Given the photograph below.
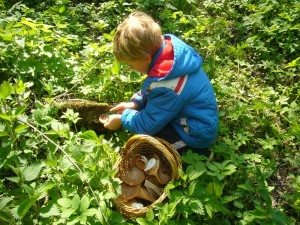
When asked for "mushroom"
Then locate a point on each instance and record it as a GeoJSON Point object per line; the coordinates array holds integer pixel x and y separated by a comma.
{"type": "Point", "coordinates": [159, 171]}
{"type": "Point", "coordinates": [139, 161]}
{"type": "Point", "coordinates": [132, 176]}
{"type": "Point", "coordinates": [152, 186]}
{"type": "Point", "coordinates": [133, 203]}
{"type": "Point", "coordinates": [103, 118]}
{"type": "Point", "coordinates": [144, 194]}
{"type": "Point", "coordinates": [130, 192]}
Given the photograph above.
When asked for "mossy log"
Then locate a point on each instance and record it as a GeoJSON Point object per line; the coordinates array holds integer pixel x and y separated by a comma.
{"type": "Point", "coordinates": [89, 112]}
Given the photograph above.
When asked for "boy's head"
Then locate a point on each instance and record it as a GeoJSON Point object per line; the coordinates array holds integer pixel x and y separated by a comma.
{"type": "Point", "coordinates": [137, 37]}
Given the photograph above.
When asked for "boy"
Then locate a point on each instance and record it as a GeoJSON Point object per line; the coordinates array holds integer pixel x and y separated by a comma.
{"type": "Point", "coordinates": [177, 101]}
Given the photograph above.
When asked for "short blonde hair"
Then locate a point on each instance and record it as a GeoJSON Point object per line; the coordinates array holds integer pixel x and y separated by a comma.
{"type": "Point", "coordinates": [137, 36]}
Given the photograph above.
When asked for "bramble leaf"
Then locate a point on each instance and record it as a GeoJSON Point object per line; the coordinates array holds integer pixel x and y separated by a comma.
{"type": "Point", "coordinates": [196, 206]}
{"type": "Point", "coordinates": [31, 172]}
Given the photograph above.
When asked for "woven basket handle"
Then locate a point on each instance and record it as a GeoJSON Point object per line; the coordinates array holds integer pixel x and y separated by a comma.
{"type": "Point", "coordinates": [131, 141]}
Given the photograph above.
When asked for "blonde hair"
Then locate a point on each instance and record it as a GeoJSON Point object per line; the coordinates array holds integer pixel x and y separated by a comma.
{"type": "Point", "coordinates": [137, 36]}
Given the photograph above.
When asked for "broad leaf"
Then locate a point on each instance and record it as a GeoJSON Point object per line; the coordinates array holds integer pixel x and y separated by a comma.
{"type": "Point", "coordinates": [84, 203]}
{"type": "Point", "coordinates": [5, 90]}
{"type": "Point", "coordinates": [31, 172]}
{"type": "Point", "coordinates": [75, 202]}
{"type": "Point", "coordinates": [65, 202]}
{"type": "Point", "coordinates": [90, 135]}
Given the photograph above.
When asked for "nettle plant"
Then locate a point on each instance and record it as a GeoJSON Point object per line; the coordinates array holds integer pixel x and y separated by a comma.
{"type": "Point", "coordinates": [49, 174]}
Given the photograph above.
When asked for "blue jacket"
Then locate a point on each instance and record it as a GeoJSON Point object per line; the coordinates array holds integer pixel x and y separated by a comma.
{"type": "Point", "coordinates": [183, 97]}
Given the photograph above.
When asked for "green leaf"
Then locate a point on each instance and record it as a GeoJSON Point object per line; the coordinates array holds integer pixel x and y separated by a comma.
{"type": "Point", "coordinates": [229, 198]}
{"type": "Point", "coordinates": [41, 117]}
{"type": "Point", "coordinates": [83, 219]}
{"type": "Point", "coordinates": [66, 213]}
{"type": "Point", "coordinates": [142, 221]}
{"type": "Point", "coordinates": [74, 221]}
{"type": "Point", "coordinates": [5, 116]}
{"type": "Point", "coordinates": [62, 9]}
{"type": "Point", "coordinates": [279, 217]}
{"type": "Point", "coordinates": [19, 87]}
{"type": "Point", "coordinates": [196, 206]}
{"type": "Point", "coordinates": [65, 202]}
{"type": "Point", "coordinates": [115, 68]}
{"type": "Point", "coordinates": [213, 167]}
{"type": "Point", "coordinates": [210, 188]}
{"type": "Point", "coordinates": [59, 127]}
{"type": "Point", "coordinates": [43, 189]}
{"type": "Point", "coordinates": [75, 202]}
{"type": "Point", "coordinates": [20, 42]}
{"type": "Point", "coordinates": [13, 179]}
{"type": "Point", "coordinates": [31, 172]}
{"type": "Point", "coordinates": [150, 214]}
{"type": "Point", "coordinates": [90, 135]}
{"type": "Point", "coordinates": [28, 23]}
{"type": "Point", "coordinates": [238, 204]}
{"type": "Point", "coordinates": [3, 134]}
{"type": "Point", "coordinates": [209, 210]}
{"type": "Point", "coordinates": [228, 170]}
{"type": "Point", "coordinates": [4, 201]}
{"type": "Point", "coordinates": [5, 90]}
{"type": "Point", "coordinates": [293, 63]}
{"type": "Point", "coordinates": [20, 110]}
{"type": "Point", "coordinates": [196, 171]}
{"type": "Point", "coordinates": [25, 206]}
{"type": "Point", "coordinates": [20, 128]}
{"type": "Point", "coordinates": [191, 188]}
{"type": "Point", "coordinates": [91, 212]}
{"type": "Point", "coordinates": [84, 203]}
{"type": "Point", "coordinates": [6, 217]}
{"type": "Point", "coordinates": [50, 210]}
{"type": "Point", "coordinates": [218, 188]}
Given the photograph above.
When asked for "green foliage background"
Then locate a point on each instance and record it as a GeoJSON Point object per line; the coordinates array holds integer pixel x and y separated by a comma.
{"type": "Point", "coordinates": [63, 49]}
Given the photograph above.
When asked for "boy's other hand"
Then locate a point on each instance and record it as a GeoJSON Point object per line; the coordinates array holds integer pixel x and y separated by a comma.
{"type": "Point", "coordinates": [124, 105]}
{"type": "Point", "coordinates": [113, 122]}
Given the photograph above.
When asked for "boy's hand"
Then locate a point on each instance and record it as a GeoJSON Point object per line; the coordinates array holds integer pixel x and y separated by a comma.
{"type": "Point", "coordinates": [124, 105]}
{"type": "Point", "coordinates": [113, 122]}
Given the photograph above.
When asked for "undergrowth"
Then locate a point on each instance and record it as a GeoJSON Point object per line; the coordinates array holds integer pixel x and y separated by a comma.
{"type": "Point", "coordinates": [53, 172]}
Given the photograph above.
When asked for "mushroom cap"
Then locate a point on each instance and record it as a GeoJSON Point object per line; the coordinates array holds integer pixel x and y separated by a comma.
{"type": "Point", "coordinates": [150, 164]}
{"type": "Point", "coordinates": [128, 192]}
{"type": "Point", "coordinates": [132, 176]}
{"type": "Point", "coordinates": [144, 194]}
{"type": "Point", "coordinates": [159, 170]}
{"type": "Point", "coordinates": [139, 161]}
{"type": "Point", "coordinates": [103, 118]}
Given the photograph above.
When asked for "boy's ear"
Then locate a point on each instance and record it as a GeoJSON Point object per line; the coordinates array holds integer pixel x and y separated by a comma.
{"type": "Point", "coordinates": [148, 58]}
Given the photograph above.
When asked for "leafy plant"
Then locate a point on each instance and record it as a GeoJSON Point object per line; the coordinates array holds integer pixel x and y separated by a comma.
{"type": "Point", "coordinates": [52, 172]}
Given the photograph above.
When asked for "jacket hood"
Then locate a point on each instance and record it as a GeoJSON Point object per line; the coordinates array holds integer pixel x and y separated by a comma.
{"type": "Point", "coordinates": [186, 59]}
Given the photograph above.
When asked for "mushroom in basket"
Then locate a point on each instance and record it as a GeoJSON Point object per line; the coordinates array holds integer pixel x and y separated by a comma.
{"type": "Point", "coordinates": [130, 192]}
{"type": "Point", "coordinates": [158, 170]}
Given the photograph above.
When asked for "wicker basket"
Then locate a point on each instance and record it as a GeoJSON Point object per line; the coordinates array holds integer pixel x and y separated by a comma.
{"type": "Point", "coordinates": [147, 146]}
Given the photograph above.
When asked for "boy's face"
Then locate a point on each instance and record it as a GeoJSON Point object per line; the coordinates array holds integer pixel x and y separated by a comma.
{"type": "Point", "coordinates": [139, 65]}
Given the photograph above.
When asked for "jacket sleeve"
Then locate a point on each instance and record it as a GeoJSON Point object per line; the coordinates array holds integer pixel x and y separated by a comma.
{"type": "Point", "coordinates": [138, 98]}
{"type": "Point", "coordinates": [162, 107]}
